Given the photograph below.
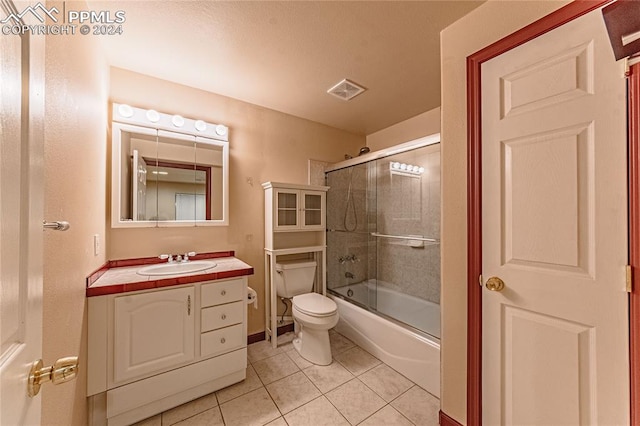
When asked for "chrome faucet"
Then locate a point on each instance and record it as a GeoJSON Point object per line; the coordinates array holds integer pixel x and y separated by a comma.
{"type": "Point", "coordinates": [185, 257]}
{"type": "Point", "coordinates": [348, 258]}
{"type": "Point", "coordinates": [178, 257]}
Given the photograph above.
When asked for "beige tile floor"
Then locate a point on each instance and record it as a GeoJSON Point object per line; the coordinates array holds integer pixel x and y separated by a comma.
{"type": "Point", "coordinates": [283, 389]}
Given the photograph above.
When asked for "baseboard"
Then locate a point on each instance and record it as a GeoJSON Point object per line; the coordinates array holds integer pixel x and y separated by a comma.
{"type": "Point", "coordinates": [447, 421]}
{"type": "Point", "coordinates": [257, 337]}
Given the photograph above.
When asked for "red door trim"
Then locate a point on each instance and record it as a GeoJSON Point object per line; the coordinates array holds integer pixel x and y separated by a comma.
{"type": "Point", "coordinates": [474, 187]}
{"type": "Point", "coordinates": [634, 238]}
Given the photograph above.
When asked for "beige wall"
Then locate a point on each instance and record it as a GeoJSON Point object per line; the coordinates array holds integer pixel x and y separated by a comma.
{"type": "Point", "coordinates": [480, 28]}
{"type": "Point", "coordinates": [75, 180]}
{"type": "Point", "coordinates": [416, 127]}
{"type": "Point", "coordinates": [264, 145]}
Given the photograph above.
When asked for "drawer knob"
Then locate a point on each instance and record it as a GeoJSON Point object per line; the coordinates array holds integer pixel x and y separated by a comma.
{"type": "Point", "coordinates": [224, 316]}
{"type": "Point", "coordinates": [223, 292]}
{"type": "Point", "coordinates": [223, 340]}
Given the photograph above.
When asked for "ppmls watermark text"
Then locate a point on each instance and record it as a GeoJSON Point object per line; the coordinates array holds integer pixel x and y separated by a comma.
{"type": "Point", "coordinates": [38, 20]}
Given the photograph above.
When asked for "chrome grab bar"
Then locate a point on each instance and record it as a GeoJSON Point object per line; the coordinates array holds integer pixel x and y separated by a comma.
{"type": "Point", "coordinates": [61, 225]}
{"type": "Point", "coordinates": [406, 237]}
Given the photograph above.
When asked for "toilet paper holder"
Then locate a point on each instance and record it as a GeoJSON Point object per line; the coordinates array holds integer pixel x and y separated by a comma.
{"type": "Point", "coordinates": [252, 297]}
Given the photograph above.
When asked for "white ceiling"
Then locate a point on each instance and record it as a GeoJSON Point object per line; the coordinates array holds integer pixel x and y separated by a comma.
{"type": "Point", "coordinates": [286, 55]}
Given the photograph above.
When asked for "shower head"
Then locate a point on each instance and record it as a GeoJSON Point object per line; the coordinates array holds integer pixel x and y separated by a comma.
{"type": "Point", "coordinates": [364, 150]}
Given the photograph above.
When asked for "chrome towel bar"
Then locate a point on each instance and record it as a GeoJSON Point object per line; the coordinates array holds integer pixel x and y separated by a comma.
{"type": "Point", "coordinates": [406, 237]}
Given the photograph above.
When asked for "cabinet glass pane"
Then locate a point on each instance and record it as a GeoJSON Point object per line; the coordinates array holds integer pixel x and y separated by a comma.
{"type": "Point", "coordinates": [287, 217]}
{"type": "Point", "coordinates": [287, 200]}
{"type": "Point", "coordinates": [312, 217]}
{"type": "Point", "coordinates": [312, 201]}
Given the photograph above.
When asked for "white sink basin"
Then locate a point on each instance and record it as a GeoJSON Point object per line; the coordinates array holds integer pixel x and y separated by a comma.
{"type": "Point", "coordinates": [176, 268]}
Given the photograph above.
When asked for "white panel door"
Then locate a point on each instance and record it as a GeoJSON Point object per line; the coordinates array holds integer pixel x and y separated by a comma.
{"type": "Point", "coordinates": [153, 332]}
{"type": "Point", "coordinates": [21, 209]}
{"type": "Point", "coordinates": [554, 229]}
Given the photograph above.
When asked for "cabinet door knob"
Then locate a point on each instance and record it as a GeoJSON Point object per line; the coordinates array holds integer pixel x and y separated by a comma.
{"type": "Point", "coordinates": [223, 340]}
{"type": "Point", "coordinates": [223, 292]}
{"type": "Point", "coordinates": [224, 316]}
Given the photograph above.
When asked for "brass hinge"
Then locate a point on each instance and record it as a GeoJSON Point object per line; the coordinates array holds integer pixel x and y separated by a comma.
{"type": "Point", "coordinates": [629, 284]}
{"type": "Point", "coordinates": [480, 280]}
{"type": "Point", "coordinates": [628, 63]}
{"type": "Point", "coordinates": [627, 68]}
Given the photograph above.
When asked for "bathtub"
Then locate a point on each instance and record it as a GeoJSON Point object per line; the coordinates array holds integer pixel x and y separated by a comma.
{"type": "Point", "coordinates": [413, 354]}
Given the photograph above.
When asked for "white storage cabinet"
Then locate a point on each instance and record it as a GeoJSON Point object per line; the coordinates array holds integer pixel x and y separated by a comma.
{"type": "Point", "coordinates": [294, 225]}
{"type": "Point", "coordinates": [297, 209]}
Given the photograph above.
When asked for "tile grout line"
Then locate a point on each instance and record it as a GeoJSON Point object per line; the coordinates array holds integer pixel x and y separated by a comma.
{"type": "Point", "coordinates": [305, 371]}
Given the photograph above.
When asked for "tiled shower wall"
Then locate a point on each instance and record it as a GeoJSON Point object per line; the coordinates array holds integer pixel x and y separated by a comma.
{"type": "Point", "coordinates": [391, 204]}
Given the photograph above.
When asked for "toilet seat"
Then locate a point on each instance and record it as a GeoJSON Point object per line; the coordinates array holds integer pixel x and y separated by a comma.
{"type": "Point", "coordinates": [315, 304]}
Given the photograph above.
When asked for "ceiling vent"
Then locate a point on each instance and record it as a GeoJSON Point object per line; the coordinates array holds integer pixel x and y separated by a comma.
{"type": "Point", "coordinates": [346, 90]}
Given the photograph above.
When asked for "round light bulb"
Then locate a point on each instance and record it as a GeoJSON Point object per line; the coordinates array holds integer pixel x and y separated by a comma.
{"type": "Point", "coordinates": [403, 166]}
{"type": "Point", "coordinates": [201, 126]}
{"type": "Point", "coordinates": [177, 120]}
{"type": "Point", "coordinates": [395, 165]}
{"type": "Point", "coordinates": [221, 130]}
{"type": "Point", "coordinates": [153, 116]}
{"type": "Point", "coordinates": [125, 111]}
{"type": "Point", "coordinates": [421, 170]}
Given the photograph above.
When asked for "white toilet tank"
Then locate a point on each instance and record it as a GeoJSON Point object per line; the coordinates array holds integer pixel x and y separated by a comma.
{"type": "Point", "coordinates": [294, 277]}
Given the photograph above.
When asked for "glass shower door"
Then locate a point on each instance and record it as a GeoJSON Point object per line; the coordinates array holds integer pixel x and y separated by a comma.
{"type": "Point", "coordinates": [407, 238]}
{"type": "Point", "coordinates": [383, 236]}
{"type": "Point", "coordinates": [350, 206]}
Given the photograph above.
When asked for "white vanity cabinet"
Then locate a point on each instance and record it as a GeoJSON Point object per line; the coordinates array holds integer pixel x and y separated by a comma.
{"type": "Point", "coordinates": [152, 350]}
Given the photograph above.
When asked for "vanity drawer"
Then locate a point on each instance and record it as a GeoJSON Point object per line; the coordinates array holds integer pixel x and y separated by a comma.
{"type": "Point", "coordinates": [222, 340]}
{"type": "Point", "coordinates": [222, 292]}
{"type": "Point", "coordinates": [221, 316]}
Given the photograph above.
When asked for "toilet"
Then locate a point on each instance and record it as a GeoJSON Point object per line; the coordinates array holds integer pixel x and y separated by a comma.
{"type": "Point", "coordinates": [313, 313]}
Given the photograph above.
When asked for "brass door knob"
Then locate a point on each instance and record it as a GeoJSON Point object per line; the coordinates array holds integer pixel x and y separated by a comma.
{"type": "Point", "coordinates": [63, 370]}
{"type": "Point", "coordinates": [494, 284]}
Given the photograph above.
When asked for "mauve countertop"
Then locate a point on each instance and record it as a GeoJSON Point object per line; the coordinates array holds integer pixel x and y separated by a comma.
{"type": "Point", "coordinates": [120, 276]}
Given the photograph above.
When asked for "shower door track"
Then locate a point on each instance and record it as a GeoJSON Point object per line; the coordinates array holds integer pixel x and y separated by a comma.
{"type": "Point", "coordinates": [376, 155]}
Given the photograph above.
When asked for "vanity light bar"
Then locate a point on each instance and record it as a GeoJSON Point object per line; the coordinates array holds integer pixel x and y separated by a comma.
{"type": "Point", "coordinates": [123, 113]}
{"type": "Point", "coordinates": [405, 169]}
